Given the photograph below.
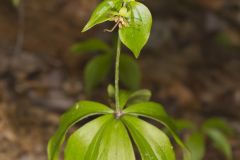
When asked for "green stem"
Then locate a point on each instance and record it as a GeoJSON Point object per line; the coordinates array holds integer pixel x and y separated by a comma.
{"type": "Point", "coordinates": [118, 109]}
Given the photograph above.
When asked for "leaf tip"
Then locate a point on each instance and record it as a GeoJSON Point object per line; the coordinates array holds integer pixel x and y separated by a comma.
{"type": "Point", "coordinates": [136, 56]}
{"type": "Point", "coordinates": [136, 53]}
{"type": "Point", "coordinates": [85, 28]}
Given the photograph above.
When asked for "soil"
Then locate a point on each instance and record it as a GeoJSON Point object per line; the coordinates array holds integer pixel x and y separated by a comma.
{"type": "Point", "coordinates": [191, 63]}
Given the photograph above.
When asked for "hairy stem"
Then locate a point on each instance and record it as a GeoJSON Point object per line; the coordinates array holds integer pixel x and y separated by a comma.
{"type": "Point", "coordinates": [118, 109]}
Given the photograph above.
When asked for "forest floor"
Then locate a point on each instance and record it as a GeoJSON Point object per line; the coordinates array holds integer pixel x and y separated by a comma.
{"type": "Point", "coordinates": [192, 65]}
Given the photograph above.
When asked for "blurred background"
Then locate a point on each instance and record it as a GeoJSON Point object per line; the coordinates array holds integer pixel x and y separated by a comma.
{"type": "Point", "coordinates": [191, 63]}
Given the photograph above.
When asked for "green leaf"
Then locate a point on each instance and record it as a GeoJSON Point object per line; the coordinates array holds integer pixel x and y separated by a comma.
{"type": "Point", "coordinates": [139, 96]}
{"type": "Point", "coordinates": [130, 98]}
{"type": "Point", "coordinates": [123, 97]}
{"type": "Point", "coordinates": [127, 1]}
{"type": "Point", "coordinates": [78, 112]}
{"type": "Point", "coordinates": [80, 140]}
{"type": "Point", "coordinates": [184, 124]}
{"type": "Point", "coordinates": [130, 74]}
{"type": "Point", "coordinates": [152, 143]}
{"type": "Point", "coordinates": [156, 111]}
{"type": "Point", "coordinates": [91, 45]}
{"type": "Point", "coordinates": [101, 13]}
{"type": "Point", "coordinates": [196, 144]}
{"type": "Point", "coordinates": [111, 91]}
{"type": "Point", "coordinates": [220, 142]}
{"type": "Point", "coordinates": [136, 35]}
{"type": "Point", "coordinates": [218, 124]}
{"type": "Point", "coordinates": [96, 71]}
{"type": "Point", "coordinates": [113, 143]}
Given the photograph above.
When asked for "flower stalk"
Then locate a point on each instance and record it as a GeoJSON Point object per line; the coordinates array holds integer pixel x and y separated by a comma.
{"type": "Point", "coordinates": [117, 103]}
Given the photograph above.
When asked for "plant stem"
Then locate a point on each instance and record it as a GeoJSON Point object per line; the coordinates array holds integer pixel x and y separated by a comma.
{"type": "Point", "coordinates": [118, 109]}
